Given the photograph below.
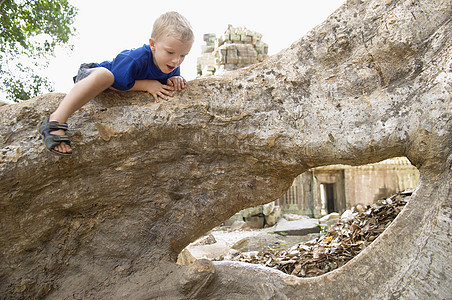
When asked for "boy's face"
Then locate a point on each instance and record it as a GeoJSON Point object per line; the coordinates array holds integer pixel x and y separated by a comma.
{"type": "Point", "coordinates": [169, 52]}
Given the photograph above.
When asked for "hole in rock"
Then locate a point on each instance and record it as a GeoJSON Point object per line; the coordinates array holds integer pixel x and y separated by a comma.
{"type": "Point", "coordinates": [328, 216]}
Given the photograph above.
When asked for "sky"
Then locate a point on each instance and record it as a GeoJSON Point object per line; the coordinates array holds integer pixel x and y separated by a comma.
{"type": "Point", "coordinates": [105, 28]}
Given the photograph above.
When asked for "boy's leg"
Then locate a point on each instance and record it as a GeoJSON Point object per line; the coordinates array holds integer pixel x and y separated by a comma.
{"type": "Point", "coordinates": [99, 80]}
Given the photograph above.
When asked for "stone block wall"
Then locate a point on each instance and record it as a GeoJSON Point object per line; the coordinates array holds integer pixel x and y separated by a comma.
{"type": "Point", "coordinates": [350, 186]}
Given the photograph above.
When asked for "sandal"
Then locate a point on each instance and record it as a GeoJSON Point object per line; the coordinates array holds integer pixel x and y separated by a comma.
{"type": "Point", "coordinates": [52, 140]}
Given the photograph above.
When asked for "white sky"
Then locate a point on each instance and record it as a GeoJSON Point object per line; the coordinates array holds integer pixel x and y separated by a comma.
{"type": "Point", "coordinates": [105, 28]}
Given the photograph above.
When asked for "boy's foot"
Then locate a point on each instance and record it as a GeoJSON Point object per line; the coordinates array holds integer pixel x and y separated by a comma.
{"type": "Point", "coordinates": [63, 147]}
{"type": "Point", "coordinates": [54, 138]}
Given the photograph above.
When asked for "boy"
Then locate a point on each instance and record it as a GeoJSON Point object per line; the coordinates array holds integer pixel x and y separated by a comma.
{"type": "Point", "coordinates": [153, 68]}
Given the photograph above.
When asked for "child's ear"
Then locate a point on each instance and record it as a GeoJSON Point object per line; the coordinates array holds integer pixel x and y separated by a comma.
{"type": "Point", "coordinates": [151, 43]}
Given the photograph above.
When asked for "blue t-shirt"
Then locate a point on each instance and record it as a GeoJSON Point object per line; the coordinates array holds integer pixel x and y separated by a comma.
{"type": "Point", "coordinates": [135, 64]}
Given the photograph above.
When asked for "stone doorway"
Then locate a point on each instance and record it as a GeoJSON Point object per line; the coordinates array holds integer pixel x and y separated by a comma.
{"type": "Point", "coordinates": [328, 196]}
{"type": "Point", "coordinates": [329, 191]}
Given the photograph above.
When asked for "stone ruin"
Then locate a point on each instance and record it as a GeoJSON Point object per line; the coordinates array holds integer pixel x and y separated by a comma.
{"type": "Point", "coordinates": [334, 189]}
{"type": "Point", "coordinates": [236, 48]}
{"type": "Point", "coordinates": [371, 82]}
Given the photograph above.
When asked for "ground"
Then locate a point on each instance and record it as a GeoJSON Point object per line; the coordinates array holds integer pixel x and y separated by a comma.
{"type": "Point", "coordinates": [304, 256]}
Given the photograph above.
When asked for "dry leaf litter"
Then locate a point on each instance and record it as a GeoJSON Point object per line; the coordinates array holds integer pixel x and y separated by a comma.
{"type": "Point", "coordinates": [337, 245]}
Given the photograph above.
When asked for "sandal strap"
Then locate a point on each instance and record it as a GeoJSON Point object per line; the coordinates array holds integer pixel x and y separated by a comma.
{"type": "Point", "coordinates": [59, 125]}
{"type": "Point", "coordinates": [52, 125]}
{"type": "Point", "coordinates": [52, 140]}
{"type": "Point", "coordinates": [55, 125]}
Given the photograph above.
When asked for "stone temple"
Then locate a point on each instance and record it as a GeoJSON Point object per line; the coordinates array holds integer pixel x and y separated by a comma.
{"type": "Point", "coordinates": [372, 82]}
{"type": "Point", "coordinates": [236, 48]}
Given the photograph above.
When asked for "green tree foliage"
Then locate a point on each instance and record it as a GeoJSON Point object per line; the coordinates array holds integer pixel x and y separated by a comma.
{"type": "Point", "coordinates": [29, 32]}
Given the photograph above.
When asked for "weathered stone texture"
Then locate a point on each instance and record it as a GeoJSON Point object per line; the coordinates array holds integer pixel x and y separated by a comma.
{"type": "Point", "coordinates": [146, 179]}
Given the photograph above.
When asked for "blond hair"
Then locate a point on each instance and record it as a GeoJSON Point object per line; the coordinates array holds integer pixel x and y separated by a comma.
{"type": "Point", "coordinates": [172, 24]}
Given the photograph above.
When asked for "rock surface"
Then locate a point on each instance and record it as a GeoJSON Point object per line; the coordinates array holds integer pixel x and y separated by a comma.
{"type": "Point", "coordinates": [146, 179]}
{"type": "Point", "coordinates": [298, 227]}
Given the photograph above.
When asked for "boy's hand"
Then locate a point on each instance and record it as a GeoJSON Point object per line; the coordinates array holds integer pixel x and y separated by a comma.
{"type": "Point", "coordinates": [177, 82]}
{"type": "Point", "coordinates": [158, 90]}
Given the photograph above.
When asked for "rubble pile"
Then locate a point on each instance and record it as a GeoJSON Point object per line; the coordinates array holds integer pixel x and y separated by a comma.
{"type": "Point", "coordinates": [337, 245]}
{"type": "Point", "coordinates": [236, 48]}
{"type": "Point", "coordinates": [257, 217]}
